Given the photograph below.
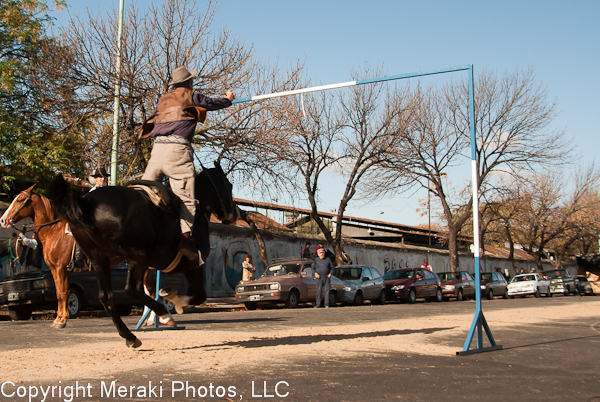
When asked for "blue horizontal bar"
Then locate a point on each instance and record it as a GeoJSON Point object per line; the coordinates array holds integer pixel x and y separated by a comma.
{"type": "Point", "coordinates": [410, 75]}
{"type": "Point", "coordinates": [389, 78]}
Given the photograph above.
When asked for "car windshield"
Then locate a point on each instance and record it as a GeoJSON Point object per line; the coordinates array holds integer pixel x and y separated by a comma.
{"type": "Point", "coordinates": [402, 274]}
{"type": "Point", "coordinates": [523, 278]}
{"type": "Point", "coordinates": [555, 274]}
{"type": "Point", "coordinates": [486, 277]}
{"type": "Point", "coordinates": [449, 276]}
{"type": "Point", "coordinates": [348, 273]}
{"type": "Point", "coordinates": [281, 270]}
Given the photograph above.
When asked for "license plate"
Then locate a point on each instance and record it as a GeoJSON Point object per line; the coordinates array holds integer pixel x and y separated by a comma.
{"type": "Point", "coordinates": [254, 297]}
{"type": "Point", "coordinates": [13, 296]}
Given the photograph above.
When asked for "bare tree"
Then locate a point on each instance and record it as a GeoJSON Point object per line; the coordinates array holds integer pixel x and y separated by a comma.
{"type": "Point", "coordinates": [551, 218]}
{"type": "Point", "coordinates": [155, 41]}
{"type": "Point", "coordinates": [348, 135]}
{"type": "Point", "coordinates": [513, 132]}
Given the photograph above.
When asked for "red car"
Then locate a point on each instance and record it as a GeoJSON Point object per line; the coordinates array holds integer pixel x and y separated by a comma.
{"type": "Point", "coordinates": [412, 283]}
{"type": "Point", "coordinates": [460, 285]}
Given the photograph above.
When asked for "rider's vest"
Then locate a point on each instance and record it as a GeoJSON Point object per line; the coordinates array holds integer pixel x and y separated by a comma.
{"type": "Point", "coordinates": [173, 106]}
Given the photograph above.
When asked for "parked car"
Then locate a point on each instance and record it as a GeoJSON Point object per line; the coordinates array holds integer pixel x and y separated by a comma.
{"type": "Point", "coordinates": [34, 290]}
{"type": "Point", "coordinates": [529, 284]}
{"type": "Point", "coordinates": [493, 284]}
{"type": "Point", "coordinates": [361, 282]}
{"type": "Point", "coordinates": [584, 287]}
{"type": "Point", "coordinates": [287, 280]}
{"type": "Point", "coordinates": [412, 283]}
{"type": "Point", "coordinates": [459, 285]}
{"type": "Point", "coordinates": [561, 281]}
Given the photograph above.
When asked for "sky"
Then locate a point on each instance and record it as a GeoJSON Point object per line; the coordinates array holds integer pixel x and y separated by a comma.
{"type": "Point", "coordinates": [560, 40]}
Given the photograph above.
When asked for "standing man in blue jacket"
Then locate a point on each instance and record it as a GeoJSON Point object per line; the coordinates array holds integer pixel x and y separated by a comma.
{"type": "Point", "coordinates": [322, 268]}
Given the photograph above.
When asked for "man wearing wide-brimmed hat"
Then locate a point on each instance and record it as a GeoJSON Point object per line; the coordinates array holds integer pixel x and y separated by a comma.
{"type": "Point", "coordinates": [173, 125]}
{"type": "Point", "coordinates": [100, 178]}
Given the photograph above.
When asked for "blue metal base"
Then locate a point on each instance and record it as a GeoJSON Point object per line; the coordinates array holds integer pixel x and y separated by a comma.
{"type": "Point", "coordinates": [156, 322]}
{"type": "Point", "coordinates": [478, 324]}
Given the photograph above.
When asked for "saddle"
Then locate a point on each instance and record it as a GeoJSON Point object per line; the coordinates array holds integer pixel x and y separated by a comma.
{"type": "Point", "coordinates": [159, 194]}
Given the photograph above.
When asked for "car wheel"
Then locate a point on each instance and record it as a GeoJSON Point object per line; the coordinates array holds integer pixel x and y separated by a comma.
{"type": "Point", "coordinates": [293, 299]}
{"type": "Point", "coordinates": [459, 295]}
{"type": "Point", "coordinates": [250, 306]}
{"type": "Point", "coordinates": [332, 301]}
{"type": "Point", "coordinates": [412, 296]}
{"type": "Point", "coordinates": [380, 299]}
{"type": "Point", "coordinates": [566, 292]}
{"type": "Point", "coordinates": [74, 303]}
{"type": "Point", "coordinates": [359, 299]}
{"type": "Point", "coordinates": [505, 295]}
{"type": "Point", "coordinates": [438, 296]}
{"type": "Point", "coordinates": [549, 293]}
{"type": "Point", "coordinates": [537, 293]}
{"type": "Point", "coordinates": [19, 314]}
{"type": "Point", "coordinates": [490, 295]}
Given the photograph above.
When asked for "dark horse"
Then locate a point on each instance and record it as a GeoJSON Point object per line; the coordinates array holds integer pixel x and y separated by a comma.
{"type": "Point", "coordinates": [122, 223]}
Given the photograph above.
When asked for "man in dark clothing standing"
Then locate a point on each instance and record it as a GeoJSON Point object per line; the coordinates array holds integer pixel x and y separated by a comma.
{"type": "Point", "coordinates": [322, 268]}
{"type": "Point", "coordinates": [306, 251]}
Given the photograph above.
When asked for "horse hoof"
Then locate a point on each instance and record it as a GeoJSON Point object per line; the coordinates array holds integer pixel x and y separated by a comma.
{"type": "Point", "coordinates": [136, 343]}
{"type": "Point", "coordinates": [167, 320]}
{"type": "Point", "coordinates": [60, 325]}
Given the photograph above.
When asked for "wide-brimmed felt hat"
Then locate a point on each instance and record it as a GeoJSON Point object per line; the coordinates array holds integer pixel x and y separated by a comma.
{"type": "Point", "coordinates": [100, 172]}
{"type": "Point", "coordinates": [182, 74]}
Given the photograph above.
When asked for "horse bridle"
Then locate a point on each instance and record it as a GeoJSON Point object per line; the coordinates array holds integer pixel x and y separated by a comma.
{"type": "Point", "coordinates": [21, 206]}
{"type": "Point", "coordinates": [24, 202]}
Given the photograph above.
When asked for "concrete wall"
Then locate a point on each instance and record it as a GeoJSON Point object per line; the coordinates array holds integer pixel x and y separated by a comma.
{"type": "Point", "coordinates": [229, 245]}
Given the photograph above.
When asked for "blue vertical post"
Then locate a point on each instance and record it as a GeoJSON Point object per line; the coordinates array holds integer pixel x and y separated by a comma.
{"type": "Point", "coordinates": [479, 323]}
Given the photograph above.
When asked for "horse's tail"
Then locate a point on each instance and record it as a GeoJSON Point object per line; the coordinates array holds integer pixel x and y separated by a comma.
{"type": "Point", "coordinates": [65, 201]}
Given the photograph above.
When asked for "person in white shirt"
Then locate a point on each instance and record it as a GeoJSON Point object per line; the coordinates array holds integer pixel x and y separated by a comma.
{"type": "Point", "coordinates": [27, 242]}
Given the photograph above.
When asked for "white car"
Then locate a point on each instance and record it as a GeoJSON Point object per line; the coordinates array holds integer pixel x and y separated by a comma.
{"type": "Point", "coordinates": [529, 284]}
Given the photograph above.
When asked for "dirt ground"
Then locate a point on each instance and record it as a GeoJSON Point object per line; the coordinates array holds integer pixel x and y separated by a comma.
{"type": "Point", "coordinates": [193, 351]}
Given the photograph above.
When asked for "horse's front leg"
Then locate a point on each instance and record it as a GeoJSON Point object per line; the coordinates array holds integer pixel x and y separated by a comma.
{"type": "Point", "coordinates": [195, 277]}
{"type": "Point", "coordinates": [106, 296]}
{"type": "Point", "coordinates": [135, 288]}
{"type": "Point", "coordinates": [61, 283]}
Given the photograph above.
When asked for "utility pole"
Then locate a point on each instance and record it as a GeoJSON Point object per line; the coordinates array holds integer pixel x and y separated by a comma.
{"type": "Point", "coordinates": [115, 147]}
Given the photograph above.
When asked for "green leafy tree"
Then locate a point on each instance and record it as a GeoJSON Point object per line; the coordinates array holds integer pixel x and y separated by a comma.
{"type": "Point", "coordinates": [39, 122]}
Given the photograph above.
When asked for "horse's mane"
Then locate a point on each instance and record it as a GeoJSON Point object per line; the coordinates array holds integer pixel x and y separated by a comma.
{"type": "Point", "coordinates": [48, 207]}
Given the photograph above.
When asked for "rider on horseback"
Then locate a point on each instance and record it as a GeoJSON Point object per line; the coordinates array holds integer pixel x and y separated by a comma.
{"type": "Point", "coordinates": [173, 126]}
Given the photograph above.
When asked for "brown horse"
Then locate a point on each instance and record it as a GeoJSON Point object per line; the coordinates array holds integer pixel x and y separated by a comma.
{"type": "Point", "coordinates": [57, 244]}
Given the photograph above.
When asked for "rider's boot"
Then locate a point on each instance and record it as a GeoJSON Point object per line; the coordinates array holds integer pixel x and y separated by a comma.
{"type": "Point", "coordinates": [186, 248]}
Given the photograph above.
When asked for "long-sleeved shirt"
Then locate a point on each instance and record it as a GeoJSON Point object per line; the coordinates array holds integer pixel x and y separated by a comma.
{"type": "Point", "coordinates": [31, 243]}
{"type": "Point", "coordinates": [187, 128]}
{"type": "Point", "coordinates": [322, 266]}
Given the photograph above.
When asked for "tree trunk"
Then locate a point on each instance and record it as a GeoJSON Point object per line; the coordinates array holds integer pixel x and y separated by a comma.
{"type": "Point", "coordinates": [453, 249]}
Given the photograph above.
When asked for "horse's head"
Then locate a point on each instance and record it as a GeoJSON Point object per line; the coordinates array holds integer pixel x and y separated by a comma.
{"type": "Point", "coordinates": [20, 208]}
{"type": "Point", "coordinates": [214, 193]}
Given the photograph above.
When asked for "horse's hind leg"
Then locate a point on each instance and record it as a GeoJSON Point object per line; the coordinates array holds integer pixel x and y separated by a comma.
{"type": "Point", "coordinates": [135, 288]}
{"type": "Point", "coordinates": [107, 298]}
